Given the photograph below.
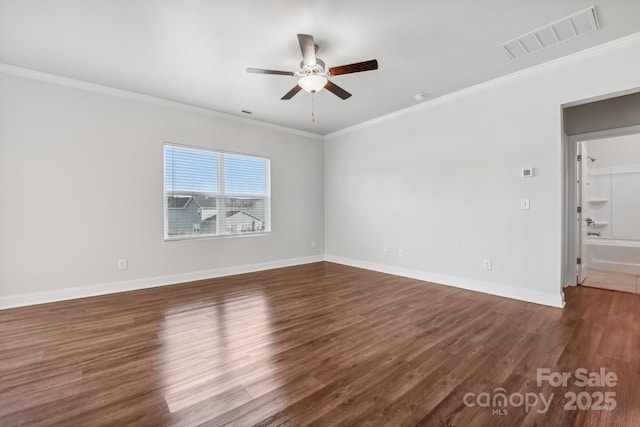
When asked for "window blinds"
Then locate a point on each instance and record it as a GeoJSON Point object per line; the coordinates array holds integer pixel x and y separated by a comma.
{"type": "Point", "coordinates": [213, 193]}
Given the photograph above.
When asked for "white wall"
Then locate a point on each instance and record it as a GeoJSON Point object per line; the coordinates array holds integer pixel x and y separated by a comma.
{"type": "Point", "coordinates": [81, 184]}
{"type": "Point", "coordinates": [443, 181]}
{"type": "Point", "coordinates": [614, 178]}
{"type": "Point", "coordinates": [614, 152]}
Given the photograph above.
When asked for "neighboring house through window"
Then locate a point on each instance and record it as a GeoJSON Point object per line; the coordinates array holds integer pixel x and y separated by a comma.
{"type": "Point", "coordinates": [212, 193]}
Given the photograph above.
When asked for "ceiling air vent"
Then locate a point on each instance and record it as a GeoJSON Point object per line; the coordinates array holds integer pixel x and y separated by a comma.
{"type": "Point", "coordinates": [578, 24]}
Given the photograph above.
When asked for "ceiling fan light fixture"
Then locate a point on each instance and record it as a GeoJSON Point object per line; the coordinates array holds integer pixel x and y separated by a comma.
{"type": "Point", "coordinates": [313, 74]}
{"type": "Point", "coordinates": [312, 83]}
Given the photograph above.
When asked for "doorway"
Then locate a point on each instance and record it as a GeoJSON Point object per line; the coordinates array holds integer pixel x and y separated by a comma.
{"type": "Point", "coordinates": [604, 230]}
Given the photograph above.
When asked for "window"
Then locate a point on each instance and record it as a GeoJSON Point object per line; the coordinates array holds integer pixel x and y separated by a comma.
{"type": "Point", "coordinates": [213, 194]}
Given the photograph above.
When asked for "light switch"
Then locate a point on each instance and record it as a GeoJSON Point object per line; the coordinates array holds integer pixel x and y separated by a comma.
{"type": "Point", "coordinates": [524, 203]}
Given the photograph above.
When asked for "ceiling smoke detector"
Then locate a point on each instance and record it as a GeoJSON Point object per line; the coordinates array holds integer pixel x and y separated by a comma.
{"type": "Point", "coordinates": [578, 24]}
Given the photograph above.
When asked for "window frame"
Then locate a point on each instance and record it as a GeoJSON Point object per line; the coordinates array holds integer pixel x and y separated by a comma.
{"type": "Point", "coordinates": [220, 196]}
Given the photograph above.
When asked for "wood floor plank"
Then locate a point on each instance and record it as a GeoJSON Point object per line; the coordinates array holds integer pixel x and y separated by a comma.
{"type": "Point", "coordinates": [318, 344]}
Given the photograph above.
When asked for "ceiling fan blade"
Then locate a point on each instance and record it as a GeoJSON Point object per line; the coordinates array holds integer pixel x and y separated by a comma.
{"type": "Point", "coordinates": [354, 68]}
{"type": "Point", "coordinates": [261, 71]}
{"type": "Point", "coordinates": [337, 90]}
{"type": "Point", "coordinates": [308, 49]}
{"type": "Point", "coordinates": [292, 92]}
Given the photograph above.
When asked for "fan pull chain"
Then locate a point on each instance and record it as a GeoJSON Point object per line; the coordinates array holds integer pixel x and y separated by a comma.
{"type": "Point", "coordinates": [313, 107]}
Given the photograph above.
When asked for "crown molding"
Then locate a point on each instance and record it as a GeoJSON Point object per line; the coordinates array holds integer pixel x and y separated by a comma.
{"type": "Point", "coordinates": [134, 96]}
{"type": "Point", "coordinates": [537, 69]}
{"type": "Point", "coordinates": [582, 55]}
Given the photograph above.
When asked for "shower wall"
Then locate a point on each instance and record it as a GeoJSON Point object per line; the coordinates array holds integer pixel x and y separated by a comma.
{"type": "Point", "coordinates": [611, 194]}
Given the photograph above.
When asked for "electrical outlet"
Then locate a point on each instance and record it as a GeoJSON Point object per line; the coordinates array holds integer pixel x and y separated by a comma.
{"type": "Point", "coordinates": [400, 253]}
{"type": "Point", "coordinates": [386, 251]}
{"type": "Point", "coordinates": [313, 244]}
{"type": "Point", "coordinates": [487, 264]}
{"type": "Point", "coordinates": [122, 264]}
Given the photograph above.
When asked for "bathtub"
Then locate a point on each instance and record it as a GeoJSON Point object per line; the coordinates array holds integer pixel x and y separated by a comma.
{"type": "Point", "coordinates": [613, 255]}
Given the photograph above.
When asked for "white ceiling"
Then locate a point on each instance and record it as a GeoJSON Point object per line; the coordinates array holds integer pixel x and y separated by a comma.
{"type": "Point", "coordinates": [196, 51]}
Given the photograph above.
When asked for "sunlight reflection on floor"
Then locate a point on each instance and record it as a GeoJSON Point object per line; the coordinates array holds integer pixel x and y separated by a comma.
{"type": "Point", "coordinates": [208, 352]}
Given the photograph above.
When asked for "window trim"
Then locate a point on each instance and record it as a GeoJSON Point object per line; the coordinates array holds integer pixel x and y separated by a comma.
{"type": "Point", "coordinates": [218, 195]}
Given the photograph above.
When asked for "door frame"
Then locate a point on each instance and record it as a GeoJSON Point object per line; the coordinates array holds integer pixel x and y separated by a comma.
{"type": "Point", "coordinates": [569, 195]}
{"type": "Point", "coordinates": [579, 182]}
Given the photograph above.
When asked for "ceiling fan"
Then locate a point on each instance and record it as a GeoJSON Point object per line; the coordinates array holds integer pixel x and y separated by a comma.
{"type": "Point", "coordinates": [313, 74]}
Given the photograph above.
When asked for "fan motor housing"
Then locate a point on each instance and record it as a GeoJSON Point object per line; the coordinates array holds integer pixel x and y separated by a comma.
{"type": "Point", "coordinates": [306, 69]}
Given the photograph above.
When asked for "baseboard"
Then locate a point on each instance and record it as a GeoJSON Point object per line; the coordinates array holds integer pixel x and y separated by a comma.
{"type": "Point", "coordinates": [552, 300]}
{"type": "Point", "coordinates": [615, 266]}
{"type": "Point", "coordinates": [14, 301]}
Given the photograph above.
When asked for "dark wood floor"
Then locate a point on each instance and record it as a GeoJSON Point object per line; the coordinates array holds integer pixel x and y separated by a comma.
{"type": "Point", "coordinates": [320, 344]}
